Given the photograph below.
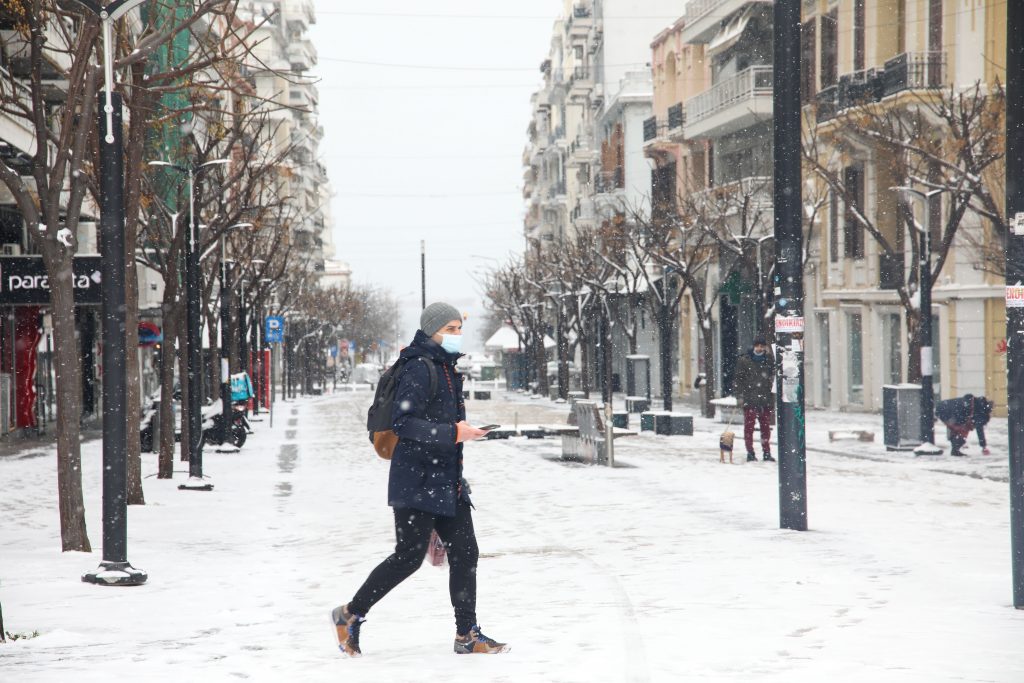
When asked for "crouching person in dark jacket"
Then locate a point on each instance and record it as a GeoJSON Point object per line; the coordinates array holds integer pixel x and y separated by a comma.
{"type": "Point", "coordinates": [425, 485]}
{"type": "Point", "coordinates": [961, 415]}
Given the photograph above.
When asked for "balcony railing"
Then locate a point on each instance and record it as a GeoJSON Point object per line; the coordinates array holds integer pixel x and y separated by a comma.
{"type": "Point", "coordinates": [749, 83]}
{"type": "Point", "coordinates": [697, 9]}
{"type": "Point", "coordinates": [907, 71]}
{"type": "Point", "coordinates": [676, 116]}
{"type": "Point", "coordinates": [890, 271]}
{"type": "Point", "coordinates": [650, 128]}
{"type": "Point", "coordinates": [828, 103]}
{"type": "Point", "coordinates": [731, 197]}
{"type": "Point", "coordinates": [914, 71]}
{"type": "Point", "coordinates": [609, 181]}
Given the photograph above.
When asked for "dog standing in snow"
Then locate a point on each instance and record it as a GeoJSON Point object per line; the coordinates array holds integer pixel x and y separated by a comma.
{"type": "Point", "coordinates": [725, 446]}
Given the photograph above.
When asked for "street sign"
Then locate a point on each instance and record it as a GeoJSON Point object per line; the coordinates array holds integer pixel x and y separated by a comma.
{"type": "Point", "coordinates": [24, 282]}
{"type": "Point", "coordinates": [274, 329]}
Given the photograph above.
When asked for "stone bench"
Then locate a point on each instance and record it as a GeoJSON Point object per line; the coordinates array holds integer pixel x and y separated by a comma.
{"type": "Point", "coordinates": [585, 439]}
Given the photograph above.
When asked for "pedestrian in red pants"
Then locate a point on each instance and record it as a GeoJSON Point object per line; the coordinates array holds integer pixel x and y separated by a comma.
{"type": "Point", "coordinates": [755, 375]}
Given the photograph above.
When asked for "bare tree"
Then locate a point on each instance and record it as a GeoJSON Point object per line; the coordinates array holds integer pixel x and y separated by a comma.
{"type": "Point", "coordinates": [935, 140]}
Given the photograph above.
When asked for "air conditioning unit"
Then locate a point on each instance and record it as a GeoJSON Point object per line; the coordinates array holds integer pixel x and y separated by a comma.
{"type": "Point", "coordinates": [10, 249]}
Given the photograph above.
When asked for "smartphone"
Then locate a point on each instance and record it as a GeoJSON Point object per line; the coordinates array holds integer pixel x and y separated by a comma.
{"type": "Point", "coordinates": [489, 427]}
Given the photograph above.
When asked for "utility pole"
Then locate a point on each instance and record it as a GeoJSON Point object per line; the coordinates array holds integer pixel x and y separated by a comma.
{"type": "Point", "coordinates": [789, 278]}
{"type": "Point", "coordinates": [1015, 287]}
{"type": "Point", "coordinates": [423, 273]}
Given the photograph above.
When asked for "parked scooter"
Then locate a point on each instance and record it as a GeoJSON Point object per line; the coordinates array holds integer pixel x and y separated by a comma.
{"type": "Point", "coordinates": [213, 419]}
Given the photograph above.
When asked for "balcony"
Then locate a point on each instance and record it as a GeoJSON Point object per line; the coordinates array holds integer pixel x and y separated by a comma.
{"type": "Point", "coordinates": [914, 71]}
{"type": "Point", "coordinates": [608, 181]}
{"type": "Point", "coordinates": [301, 55]}
{"type": "Point", "coordinates": [703, 18]}
{"type": "Point", "coordinates": [891, 271]}
{"type": "Point", "coordinates": [580, 22]}
{"type": "Point", "coordinates": [731, 105]}
{"type": "Point", "coordinates": [730, 198]}
{"type": "Point", "coordinates": [584, 212]}
{"type": "Point", "coordinates": [907, 71]}
{"type": "Point", "coordinates": [581, 81]}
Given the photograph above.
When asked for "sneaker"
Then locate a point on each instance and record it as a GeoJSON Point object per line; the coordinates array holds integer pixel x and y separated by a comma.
{"type": "Point", "coordinates": [476, 642]}
{"type": "Point", "coordinates": [347, 625]}
{"type": "Point", "coordinates": [768, 457]}
{"type": "Point", "coordinates": [751, 457]}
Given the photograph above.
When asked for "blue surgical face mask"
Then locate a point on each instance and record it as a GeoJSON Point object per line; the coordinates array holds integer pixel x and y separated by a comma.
{"type": "Point", "coordinates": [758, 353]}
{"type": "Point", "coordinates": [451, 343]}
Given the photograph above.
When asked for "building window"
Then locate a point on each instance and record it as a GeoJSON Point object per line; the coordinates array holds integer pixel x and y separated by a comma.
{"type": "Point", "coordinates": [934, 25]}
{"type": "Point", "coordinates": [807, 62]}
{"type": "Point", "coordinates": [824, 355]}
{"type": "Point", "coordinates": [892, 367]}
{"type": "Point", "coordinates": [858, 35]}
{"type": "Point", "coordinates": [854, 359]}
{"type": "Point", "coordinates": [833, 228]}
{"type": "Point", "coordinates": [830, 48]}
{"type": "Point", "coordinates": [853, 230]}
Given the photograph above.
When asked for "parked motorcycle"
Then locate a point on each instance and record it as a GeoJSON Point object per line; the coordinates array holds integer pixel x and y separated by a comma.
{"type": "Point", "coordinates": [213, 432]}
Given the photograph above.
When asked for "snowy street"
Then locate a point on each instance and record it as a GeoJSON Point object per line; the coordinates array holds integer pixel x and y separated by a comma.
{"type": "Point", "coordinates": [669, 567]}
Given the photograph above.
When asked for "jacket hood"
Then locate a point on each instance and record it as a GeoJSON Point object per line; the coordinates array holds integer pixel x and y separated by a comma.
{"type": "Point", "coordinates": [422, 345]}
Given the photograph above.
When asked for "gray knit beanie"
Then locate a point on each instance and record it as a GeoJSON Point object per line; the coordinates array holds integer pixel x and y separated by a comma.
{"type": "Point", "coordinates": [437, 315]}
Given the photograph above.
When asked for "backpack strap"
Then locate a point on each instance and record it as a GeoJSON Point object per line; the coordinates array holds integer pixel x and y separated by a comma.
{"type": "Point", "coordinates": [433, 375]}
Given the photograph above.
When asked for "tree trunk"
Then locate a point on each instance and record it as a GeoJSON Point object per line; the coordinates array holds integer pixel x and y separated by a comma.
{"type": "Point", "coordinates": [168, 356]}
{"type": "Point", "coordinates": [68, 374]}
{"type": "Point", "coordinates": [707, 343]}
{"type": "Point", "coordinates": [914, 344]}
{"type": "Point", "coordinates": [540, 353]}
{"type": "Point", "coordinates": [665, 354]}
{"type": "Point", "coordinates": [607, 387]}
{"type": "Point", "coordinates": [183, 380]}
{"type": "Point", "coordinates": [584, 344]}
{"type": "Point", "coordinates": [133, 388]}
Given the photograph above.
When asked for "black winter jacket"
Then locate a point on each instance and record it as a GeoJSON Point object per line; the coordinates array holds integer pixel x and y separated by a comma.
{"type": "Point", "coordinates": [426, 467]}
{"type": "Point", "coordinates": [755, 376]}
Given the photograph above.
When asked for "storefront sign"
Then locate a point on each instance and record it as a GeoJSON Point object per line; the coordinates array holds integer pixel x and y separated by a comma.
{"type": "Point", "coordinates": [24, 282]}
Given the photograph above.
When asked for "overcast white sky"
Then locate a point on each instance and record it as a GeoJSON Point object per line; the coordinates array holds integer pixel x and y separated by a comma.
{"type": "Point", "coordinates": [425, 108]}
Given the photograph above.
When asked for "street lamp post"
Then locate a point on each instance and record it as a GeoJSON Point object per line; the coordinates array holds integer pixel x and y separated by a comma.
{"type": "Point", "coordinates": [924, 277]}
{"type": "Point", "coordinates": [193, 328]}
{"type": "Point", "coordinates": [114, 569]}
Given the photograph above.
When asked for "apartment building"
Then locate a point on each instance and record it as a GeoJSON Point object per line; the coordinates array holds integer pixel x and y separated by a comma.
{"type": "Point", "coordinates": [281, 75]}
{"type": "Point", "coordinates": [584, 163]}
{"type": "Point", "coordinates": [709, 139]}
{"type": "Point", "coordinates": [895, 58]}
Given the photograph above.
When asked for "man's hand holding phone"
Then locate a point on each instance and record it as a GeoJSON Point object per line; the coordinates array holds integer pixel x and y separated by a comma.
{"type": "Point", "coordinates": [467, 432]}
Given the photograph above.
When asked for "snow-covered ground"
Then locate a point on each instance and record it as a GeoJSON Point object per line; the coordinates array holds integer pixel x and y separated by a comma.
{"type": "Point", "coordinates": [670, 567]}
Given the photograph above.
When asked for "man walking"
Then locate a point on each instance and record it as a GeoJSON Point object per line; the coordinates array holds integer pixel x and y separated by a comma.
{"type": "Point", "coordinates": [755, 376]}
{"type": "Point", "coordinates": [425, 485]}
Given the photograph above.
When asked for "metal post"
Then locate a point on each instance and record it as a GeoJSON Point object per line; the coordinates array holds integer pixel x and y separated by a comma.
{"type": "Point", "coordinates": [225, 346]}
{"type": "Point", "coordinates": [789, 284]}
{"type": "Point", "coordinates": [665, 343]}
{"type": "Point", "coordinates": [243, 332]}
{"type": "Point", "coordinates": [193, 350]}
{"type": "Point", "coordinates": [423, 273]}
{"type": "Point", "coordinates": [114, 569]}
{"type": "Point", "coordinates": [1015, 287]}
{"type": "Point", "coordinates": [924, 275]}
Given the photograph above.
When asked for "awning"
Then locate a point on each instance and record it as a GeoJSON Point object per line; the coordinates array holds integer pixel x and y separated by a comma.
{"type": "Point", "coordinates": [506, 339]}
{"type": "Point", "coordinates": [729, 34]}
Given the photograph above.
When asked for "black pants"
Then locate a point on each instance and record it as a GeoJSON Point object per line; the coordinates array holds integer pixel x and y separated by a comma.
{"type": "Point", "coordinates": [412, 532]}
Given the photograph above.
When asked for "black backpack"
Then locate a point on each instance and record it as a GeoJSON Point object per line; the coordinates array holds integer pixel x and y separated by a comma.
{"type": "Point", "coordinates": [378, 418]}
